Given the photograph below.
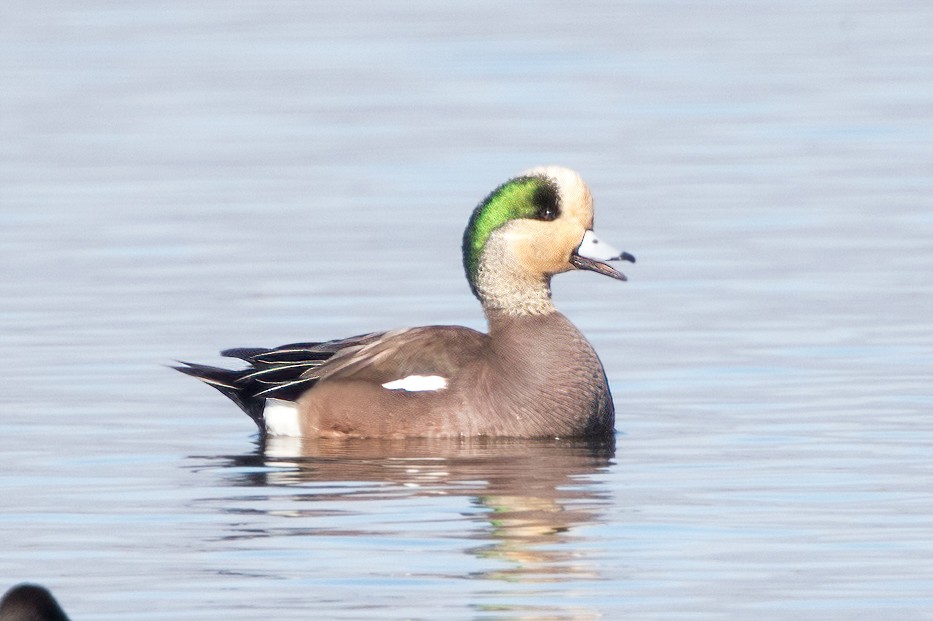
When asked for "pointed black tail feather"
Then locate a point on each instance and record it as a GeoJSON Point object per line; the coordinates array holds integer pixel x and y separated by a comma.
{"type": "Point", "coordinates": [244, 353]}
{"type": "Point", "coordinates": [295, 352]}
{"type": "Point", "coordinates": [227, 382]}
{"type": "Point", "coordinates": [284, 372]}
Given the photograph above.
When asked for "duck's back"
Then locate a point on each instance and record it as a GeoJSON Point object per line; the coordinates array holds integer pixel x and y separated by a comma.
{"type": "Point", "coordinates": [530, 377]}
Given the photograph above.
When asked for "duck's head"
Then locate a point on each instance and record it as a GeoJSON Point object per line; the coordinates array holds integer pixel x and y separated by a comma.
{"type": "Point", "coordinates": [531, 227]}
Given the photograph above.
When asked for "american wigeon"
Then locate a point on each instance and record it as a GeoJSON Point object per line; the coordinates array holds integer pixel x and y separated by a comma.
{"type": "Point", "coordinates": [533, 375]}
{"type": "Point", "coordinates": [30, 602]}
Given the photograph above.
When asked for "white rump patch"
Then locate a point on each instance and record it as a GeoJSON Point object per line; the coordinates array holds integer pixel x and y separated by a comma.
{"type": "Point", "coordinates": [281, 418]}
{"type": "Point", "coordinates": [418, 383]}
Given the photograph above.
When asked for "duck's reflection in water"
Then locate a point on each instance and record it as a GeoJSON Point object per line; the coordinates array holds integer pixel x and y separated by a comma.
{"type": "Point", "coordinates": [523, 499]}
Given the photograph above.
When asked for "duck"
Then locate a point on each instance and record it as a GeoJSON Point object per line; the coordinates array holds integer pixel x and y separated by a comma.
{"type": "Point", "coordinates": [533, 374]}
{"type": "Point", "coordinates": [30, 602]}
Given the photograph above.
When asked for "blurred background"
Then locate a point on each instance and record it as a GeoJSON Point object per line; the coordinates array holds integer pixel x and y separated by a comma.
{"type": "Point", "coordinates": [177, 178]}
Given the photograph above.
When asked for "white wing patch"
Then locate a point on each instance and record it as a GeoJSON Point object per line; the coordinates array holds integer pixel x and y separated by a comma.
{"type": "Point", "coordinates": [281, 418]}
{"type": "Point", "coordinates": [418, 383]}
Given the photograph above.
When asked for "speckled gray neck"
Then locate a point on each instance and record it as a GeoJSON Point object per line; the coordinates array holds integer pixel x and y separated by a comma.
{"type": "Point", "coordinates": [504, 287]}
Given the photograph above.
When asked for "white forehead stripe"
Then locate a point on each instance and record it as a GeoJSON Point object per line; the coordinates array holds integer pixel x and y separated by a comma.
{"type": "Point", "coordinates": [281, 418]}
{"type": "Point", "coordinates": [568, 180]}
{"type": "Point", "coordinates": [592, 248]}
{"type": "Point", "coordinates": [418, 383]}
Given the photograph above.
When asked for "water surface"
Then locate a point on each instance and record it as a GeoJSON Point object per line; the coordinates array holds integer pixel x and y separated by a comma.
{"type": "Point", "coordinates": [177, 179]}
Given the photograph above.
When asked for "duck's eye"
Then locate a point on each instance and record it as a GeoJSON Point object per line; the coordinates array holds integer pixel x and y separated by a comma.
{"type": "Point", "coordinates": [547, 202]}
